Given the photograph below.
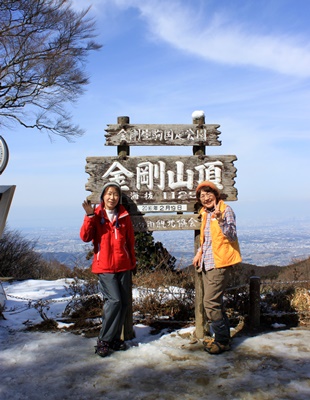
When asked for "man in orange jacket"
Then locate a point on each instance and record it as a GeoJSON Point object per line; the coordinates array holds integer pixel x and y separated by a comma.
{"type": "Point", "coordinates": [218, 251]}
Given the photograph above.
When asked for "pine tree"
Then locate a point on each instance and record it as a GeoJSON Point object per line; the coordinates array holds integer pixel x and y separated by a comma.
{"type": "Point", "coordinates": [151, 255]}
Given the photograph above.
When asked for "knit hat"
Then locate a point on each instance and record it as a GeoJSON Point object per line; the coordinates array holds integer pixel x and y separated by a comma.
{"type": "Point", "coordinates": [114, 184]}
{"type": "Point", "coordinates": [209, 184]}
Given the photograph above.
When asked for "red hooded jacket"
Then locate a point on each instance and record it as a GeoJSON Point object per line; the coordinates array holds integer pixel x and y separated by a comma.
{"type": "Point", "coordinates": [113, 241]}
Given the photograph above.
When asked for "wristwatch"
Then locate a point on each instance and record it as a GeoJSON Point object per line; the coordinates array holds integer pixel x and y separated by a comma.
{"type": "Point", "coordinates": [4, 154]}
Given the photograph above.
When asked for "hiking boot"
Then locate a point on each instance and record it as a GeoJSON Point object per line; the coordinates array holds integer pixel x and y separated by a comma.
{"type": "Point", "coordinates": [207, 341]}
{"type": "Point", "coordinates": [118, 345]}
{"type": "Point", "coordinates": [102, 348]}
{"type": "Point", "coordinates": [214, 347]}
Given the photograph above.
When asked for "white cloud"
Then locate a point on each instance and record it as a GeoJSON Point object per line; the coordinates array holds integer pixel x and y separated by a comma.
{"type": "Point", "coordinates": [220, 38]}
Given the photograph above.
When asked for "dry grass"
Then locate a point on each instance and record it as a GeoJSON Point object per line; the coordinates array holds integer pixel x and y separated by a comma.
{"type": "Point", "coordinates": [301, 303]}
{"type": "Point", "coordinates": [165, 293]}
{"type": "Point", "coordinates": [281, 300]}
{"type": "Point", "coordinates": [301, 300]}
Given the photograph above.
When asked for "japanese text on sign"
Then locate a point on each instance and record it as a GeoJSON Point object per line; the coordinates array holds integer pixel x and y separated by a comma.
{"type": "Point", "coordinates": [150, 176]}
{"type": "Point", "coordinates": [138, 135]}
{"type": "Point", "coordinates": [162, 207]}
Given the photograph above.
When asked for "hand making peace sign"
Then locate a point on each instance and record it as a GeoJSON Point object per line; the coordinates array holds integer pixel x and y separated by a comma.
{"type": "Point", "coordinates": [218, 214]}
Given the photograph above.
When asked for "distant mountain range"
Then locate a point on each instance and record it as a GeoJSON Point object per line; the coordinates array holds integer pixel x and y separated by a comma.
{"type": "Point", "coordinates": [272, 244]}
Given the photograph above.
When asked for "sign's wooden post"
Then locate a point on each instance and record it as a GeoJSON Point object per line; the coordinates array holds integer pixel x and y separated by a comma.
{"type": "Point", "coordinates": [163, 186]}
{"type": "Point", "coordinates": [254, 301]}
{"type": "Point", "coordinates": [123, 148]}
{"type": "Point", "coordinates": [128, 331]}
{"type": "Point", "coordinates": [199, 292]}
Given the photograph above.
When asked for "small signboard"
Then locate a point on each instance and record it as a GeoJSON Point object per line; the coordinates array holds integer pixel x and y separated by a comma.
{"type": "Point", "coordinates": [151, 208]}
{"type": "Point", "coordinates": [165, 222]}
{"type": "Point", "coordinates": [163, 135]}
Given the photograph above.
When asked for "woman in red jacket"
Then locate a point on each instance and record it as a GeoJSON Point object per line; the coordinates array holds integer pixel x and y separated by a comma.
{"type": "Point", "coordinates": [110, 229]}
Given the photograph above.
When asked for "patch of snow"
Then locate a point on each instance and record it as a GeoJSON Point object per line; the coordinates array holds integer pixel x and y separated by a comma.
{"type": "Point", "coordinates": [198, 114]}
{"type": "Point", "coordinates": [166, 366]}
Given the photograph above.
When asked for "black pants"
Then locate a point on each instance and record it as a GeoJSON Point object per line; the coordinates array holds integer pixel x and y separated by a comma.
{"type": "Point", "coordinates": [115, 289]}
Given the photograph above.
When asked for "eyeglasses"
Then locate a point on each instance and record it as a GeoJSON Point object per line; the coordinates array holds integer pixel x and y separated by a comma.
{"type": "Point", "coordinates": [206, 195]}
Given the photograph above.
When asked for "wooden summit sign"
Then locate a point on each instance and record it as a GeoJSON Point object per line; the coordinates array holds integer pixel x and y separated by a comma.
{"type": "Point", "coordinates": [161, 185]}
{"type": "Point", "coordinates": [159, 191]}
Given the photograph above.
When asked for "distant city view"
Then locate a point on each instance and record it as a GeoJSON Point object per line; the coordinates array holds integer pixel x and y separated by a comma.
{"type": "Point", "coordinates": [279, 244]}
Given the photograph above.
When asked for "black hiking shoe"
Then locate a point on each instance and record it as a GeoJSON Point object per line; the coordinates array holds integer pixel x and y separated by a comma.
{"type": "Point", "coordinates": [102, 348]}
{"type": "Point", "coordinates": [118, 345]}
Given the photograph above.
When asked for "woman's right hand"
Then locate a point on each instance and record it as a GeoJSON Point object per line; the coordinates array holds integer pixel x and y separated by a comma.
{"type": "Point", "coordinates": [89, 209]}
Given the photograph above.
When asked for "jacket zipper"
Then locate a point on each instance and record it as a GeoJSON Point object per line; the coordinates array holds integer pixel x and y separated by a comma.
{"type": "Point", "coordinates": [98, 253]}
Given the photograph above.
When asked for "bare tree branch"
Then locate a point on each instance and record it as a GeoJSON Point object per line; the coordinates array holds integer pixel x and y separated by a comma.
{"type": "Point", "coordinates": [44, 45]}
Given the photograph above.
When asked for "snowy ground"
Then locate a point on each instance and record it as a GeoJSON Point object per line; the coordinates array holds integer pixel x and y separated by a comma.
{"type": "Point", "coordinates": [60, 366]}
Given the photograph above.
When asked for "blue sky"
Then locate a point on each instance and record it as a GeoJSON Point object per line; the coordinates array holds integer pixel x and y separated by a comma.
{"type": "Point", "coordinates": [245, 63]}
